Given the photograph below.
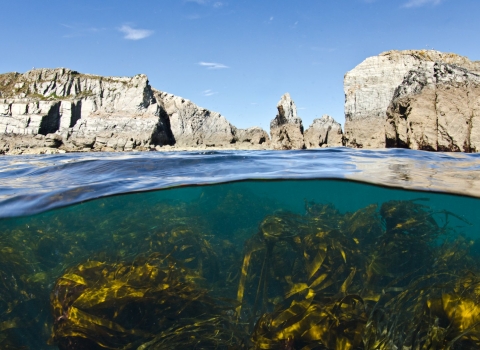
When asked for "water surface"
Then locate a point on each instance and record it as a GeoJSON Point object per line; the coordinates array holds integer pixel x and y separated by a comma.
{"type": "Point", "coordinates": [319, 249]}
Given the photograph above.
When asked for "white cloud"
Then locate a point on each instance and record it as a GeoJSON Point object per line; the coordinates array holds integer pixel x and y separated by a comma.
{"type": "Point", "coordinates": [218, 4]}
{"type": "Point", "coordinates": [213, 65]}
{"type": "Point", "coordinates": [135, 34]}
{"type": "Point", "coordinates": [418, 3]}
{"type": "Point", "coordinates": [209, 92]}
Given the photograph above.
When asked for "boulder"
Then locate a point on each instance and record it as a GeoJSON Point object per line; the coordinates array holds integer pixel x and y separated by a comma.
{"type": "Point", "coordinates": [370, 86]}
{"type": "Point", "coordinates": [253, 135]}
{"type": "Point", "coordinates": [286, 128]}
{"type": "Point", "coordinates": [436, 108]}
{"type": "Point", "coordinates": [324, 132]}
{"type": "Point", "coordinates": [53, 140]}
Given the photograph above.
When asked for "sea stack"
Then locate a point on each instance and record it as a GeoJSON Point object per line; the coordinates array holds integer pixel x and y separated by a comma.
{"type": "Point", "coordinates": [286, 128]}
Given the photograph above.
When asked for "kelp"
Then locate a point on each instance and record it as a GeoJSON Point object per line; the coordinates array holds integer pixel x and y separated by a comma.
{"type": "Point", "coordinates": [152, 301]}
{"type": "Point", "coordinates": [373, 279]}
{"type": "Point", "coordinates": [172, 275]}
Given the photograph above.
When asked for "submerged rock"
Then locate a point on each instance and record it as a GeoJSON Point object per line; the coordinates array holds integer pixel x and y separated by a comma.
{"type": "Point", "coordinates": [324, 132]}
{"type": "Point", "coordinates": [286, 128]}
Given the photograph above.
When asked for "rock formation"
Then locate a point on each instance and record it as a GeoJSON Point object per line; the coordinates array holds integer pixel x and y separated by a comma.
{"type": "Point", "coordinates": [286, 128]}
{"type": "Point", "coordinates": [324, 132]}
{"type": "Point", "coordinates": [436, 108]}
{"type": "Point", "coordinates": [370, 86]}
{"type": "Point", "coordinates": [253, 135]}
{"type": "Point", "coordinates": [192, 125]}
{"type": "Point", "coordinates": [90, 112]}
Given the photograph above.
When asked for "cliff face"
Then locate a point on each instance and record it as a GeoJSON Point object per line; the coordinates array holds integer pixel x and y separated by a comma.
{"type": "Point", "coordinates": [436, 108]}
{"type": "Point", "coordinates": [89, 112]}
{"type": "Point", "coordinates": [370, 86]}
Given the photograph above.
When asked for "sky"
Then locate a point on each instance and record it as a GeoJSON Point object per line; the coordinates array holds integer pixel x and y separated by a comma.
{"type": "Point", "coordinates": [235, 57]}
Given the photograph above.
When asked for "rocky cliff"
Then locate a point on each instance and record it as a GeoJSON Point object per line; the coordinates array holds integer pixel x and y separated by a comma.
{"type": "Point", "coordinates": [436, 108]}
{"type": "Point", "coordinates": [63, 108]}
{"type": "Point", "coordinates": [370, 86]}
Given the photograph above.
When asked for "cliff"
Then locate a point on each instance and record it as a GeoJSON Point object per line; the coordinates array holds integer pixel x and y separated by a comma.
{"type": "Point", "coordinates": [370, 87]}
{"type": "Point", "coordinates": [436, 108]}
{"type": "Point", "coordinates": [61, 108]}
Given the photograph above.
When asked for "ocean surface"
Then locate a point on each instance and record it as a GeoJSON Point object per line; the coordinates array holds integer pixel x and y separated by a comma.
{"type": "Point", "coordinates": [318, 249]}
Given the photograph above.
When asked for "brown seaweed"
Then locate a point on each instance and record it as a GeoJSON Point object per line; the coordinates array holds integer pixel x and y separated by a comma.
{"type": "Point", "coordinates": [394, 276]}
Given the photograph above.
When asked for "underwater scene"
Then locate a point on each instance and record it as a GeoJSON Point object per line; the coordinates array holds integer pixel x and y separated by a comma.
{"type": "Point", "coordinates": [272, 264]}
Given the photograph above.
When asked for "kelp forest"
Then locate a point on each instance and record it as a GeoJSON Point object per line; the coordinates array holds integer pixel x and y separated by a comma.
{"type": "Point", "coordinates": [232, 272]}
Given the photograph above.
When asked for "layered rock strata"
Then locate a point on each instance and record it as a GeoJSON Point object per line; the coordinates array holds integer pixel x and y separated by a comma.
{"type": "Point", "coordinates": [324, 132]}
{"type": "Point", "coordinates": [286, 129]}
{"type": "Point", "coordinates": [436, 108]}
{"type": "Point", "coordinates": [370, 86]}
{"type": "Point", "coordinates": [89, 112]}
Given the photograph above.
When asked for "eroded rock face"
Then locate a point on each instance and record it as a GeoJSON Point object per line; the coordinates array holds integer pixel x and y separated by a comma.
{"type": "Point", "coordinates": [101, 113]}
{"type": "Point", "coordinates": [324, 132]}
{"type": "Point", "coordinates": [88, 111]}
{"type": "Point", "coordinates": [370, 86]}
{"type": "Point", "coordinates": [192, 125]}
{"type": "Point", "coordinates": [436, 108]}
{"type": "Point", "coordinates": [286, 129]}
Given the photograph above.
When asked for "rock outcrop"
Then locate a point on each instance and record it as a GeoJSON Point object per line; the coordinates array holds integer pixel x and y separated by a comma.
{"type": "Point", "coordinates": [90, 112]}
{"type": "Point", "coordinates": [253, 135]}
{"type": "Point", "coordinates": [436, 108]}
{"type": "Point", "coordinates": [370, 86]}
{"type": "Point", "coordinates": [286, 128]}
{"type": "Point", "coordinates": [192, 125]}
{"type": "Point", "coordinates": [324, 132]}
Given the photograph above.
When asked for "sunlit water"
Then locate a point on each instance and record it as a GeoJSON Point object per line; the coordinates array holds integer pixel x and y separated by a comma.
{"type": "Point", "coordinates": [328, 249]}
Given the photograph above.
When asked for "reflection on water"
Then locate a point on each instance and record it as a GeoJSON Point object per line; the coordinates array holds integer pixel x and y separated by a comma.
{"type": "Point", "coordinates": [318, 264]}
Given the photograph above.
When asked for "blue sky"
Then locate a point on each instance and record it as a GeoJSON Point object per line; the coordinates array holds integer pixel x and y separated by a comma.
{"type": "Point", "coordinates": [232, 56]}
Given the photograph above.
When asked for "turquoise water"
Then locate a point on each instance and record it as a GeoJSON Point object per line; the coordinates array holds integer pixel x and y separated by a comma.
{"type": "Point", "coordinates": [285, 261]}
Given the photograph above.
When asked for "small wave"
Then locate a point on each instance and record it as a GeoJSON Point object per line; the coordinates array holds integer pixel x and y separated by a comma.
{"type": "Point", "coordinates": [36, 183]}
